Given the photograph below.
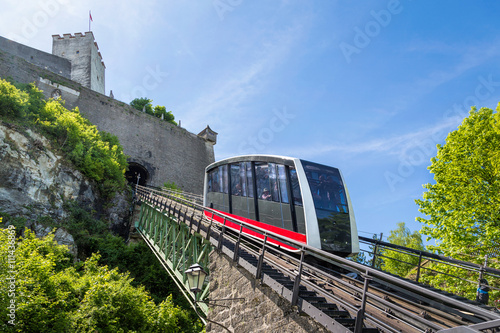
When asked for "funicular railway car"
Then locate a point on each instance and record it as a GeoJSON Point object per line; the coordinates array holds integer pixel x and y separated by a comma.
{"type": "Point", "coordinates": [301, 200]}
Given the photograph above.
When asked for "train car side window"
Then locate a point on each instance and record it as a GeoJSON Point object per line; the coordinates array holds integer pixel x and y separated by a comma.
{"type": "Point", "coordinates": [282, 183]}
{"type": "Point", "coordinates": [297, 197]}
{"type": "Point", "coordinates": [273, 183]}
{"type": "Point", "coordinates": [236, 188]}
{"type": "Point", "coordinates": [218, 180]}
{"type": "Point", "coordinates": [209, 181]}
{"type": "Point", "coordinates": [249, 179]}
{"type": "Point", "coordinates": [225, 182]}
{"type": "Point", "coordinates": [243, 181]}
{"type": "Point", "coordinates": [262, 175]}
{"type": "Point", "coordinates": [215, 180]}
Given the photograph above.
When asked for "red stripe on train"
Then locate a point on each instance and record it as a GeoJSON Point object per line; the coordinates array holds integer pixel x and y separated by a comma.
{"type": "Point", "coordinates": [280, 231]}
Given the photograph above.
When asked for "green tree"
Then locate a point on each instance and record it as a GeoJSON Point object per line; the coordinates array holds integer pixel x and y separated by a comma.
{"type": "Point", "coordinates": [172, 187]}
{"type": "Point", "coordinates": [158, 111]}
{"type": "Point", "coordinates": [13, 102]}
{"type": "Point", "coordinates": [463, 206]}
{"type": "Point", "coordinates": [167, 116]}
{"type": "Point", "coordinates": [52, 295]}
{"type": "Point", "coordinates": [399, 263]}
{"type": "Point", "coordinates": [92, 235]}
{"type": "Point", "coordinates": [143, 103]}
{"type": "Point", "coordinates": [360, 257]}
{"type": "Point", "coordinates": [97, 154]}
{"type": "Point", "coordinates": [376, 260]}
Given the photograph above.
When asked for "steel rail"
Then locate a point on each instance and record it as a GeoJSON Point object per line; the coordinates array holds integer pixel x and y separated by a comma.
{"type": "Point", "coordinates": [434, 298]}
{"type": "Point", "coordinates": [430, 255]}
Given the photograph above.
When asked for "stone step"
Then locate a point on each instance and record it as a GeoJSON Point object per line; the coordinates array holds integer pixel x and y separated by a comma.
{"type": "Point", "coordinates": [314, 299]}
{"type": "Point", "coordinates": [336, 313]}
{"type": "Point", "coordinates": [326, 306]}
{"type": "Point", "coordinates": [348, 322]}
{"type": "Point", "coordinates": [306, 293]}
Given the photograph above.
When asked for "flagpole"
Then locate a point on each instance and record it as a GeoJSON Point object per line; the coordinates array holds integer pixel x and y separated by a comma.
{"type": "Point", "coordinates": [90, 19]}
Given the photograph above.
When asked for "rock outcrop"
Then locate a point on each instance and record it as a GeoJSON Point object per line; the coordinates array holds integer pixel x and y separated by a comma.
{"type": "Point", "coordinates": [35, 182]}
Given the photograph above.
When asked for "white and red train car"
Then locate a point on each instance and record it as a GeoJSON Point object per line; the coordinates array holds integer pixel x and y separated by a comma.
{"type": "Point", "coordinates": [301, 200]}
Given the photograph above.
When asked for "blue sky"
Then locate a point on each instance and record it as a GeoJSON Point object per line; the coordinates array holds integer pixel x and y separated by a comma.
{"type": "Point", "coordinates": [367, 86]}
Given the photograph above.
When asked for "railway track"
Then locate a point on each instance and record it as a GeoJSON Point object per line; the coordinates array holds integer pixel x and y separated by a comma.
{"type": "Point", "coordinates": [397, 311]}
{"type": "Point", "coordinates": [388, 307]}
{"type": "Point", "coordinates": [338, 292]}
{"type": "Point", "coordinates": [342, 295]}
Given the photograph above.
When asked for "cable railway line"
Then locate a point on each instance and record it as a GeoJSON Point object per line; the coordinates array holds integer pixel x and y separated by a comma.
{"type": "Point", "coordinates": [343, 296]}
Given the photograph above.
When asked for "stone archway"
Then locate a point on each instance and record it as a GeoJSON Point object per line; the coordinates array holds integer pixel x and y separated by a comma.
{"type": "Point", "coordinates": [137, 174]}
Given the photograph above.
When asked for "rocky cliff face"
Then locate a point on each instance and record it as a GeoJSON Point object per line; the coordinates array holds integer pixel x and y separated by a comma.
{"type": "Point", "coordinates": [35, 182]}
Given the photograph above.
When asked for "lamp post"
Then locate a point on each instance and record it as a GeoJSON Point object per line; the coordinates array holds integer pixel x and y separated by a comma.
{"type": "Point", "coordinates": [196, 278]}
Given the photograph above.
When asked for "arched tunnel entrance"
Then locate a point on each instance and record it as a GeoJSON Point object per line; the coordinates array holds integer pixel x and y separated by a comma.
{"type": "Point", "coordinates": [137, 174]}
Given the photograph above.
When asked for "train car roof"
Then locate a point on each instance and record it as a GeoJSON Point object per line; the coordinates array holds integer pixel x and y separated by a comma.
{"type": "Point", "coordinates": [254, 158]}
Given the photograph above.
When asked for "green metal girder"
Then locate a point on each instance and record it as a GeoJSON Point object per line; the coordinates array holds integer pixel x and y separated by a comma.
{"type": "Point", "coordinates": [176, 248]}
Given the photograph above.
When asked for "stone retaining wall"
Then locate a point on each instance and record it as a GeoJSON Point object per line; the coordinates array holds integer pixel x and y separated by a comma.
{"type": "Point", "coordinates": [262, 311]}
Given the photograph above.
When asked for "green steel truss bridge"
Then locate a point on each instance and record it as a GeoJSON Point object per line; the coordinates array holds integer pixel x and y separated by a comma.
{"type": "Point", "coordinates": [342, 296]}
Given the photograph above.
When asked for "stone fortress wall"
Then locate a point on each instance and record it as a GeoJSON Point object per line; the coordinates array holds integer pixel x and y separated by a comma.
{"type": "Point", "coordinates": [41, 59]}
{"type": "Point", "coordinates": [159, 151]}
{"type": "Point", "coordinates": [262, 310]}
{"type": "Point", "coordinates": [82, 51]}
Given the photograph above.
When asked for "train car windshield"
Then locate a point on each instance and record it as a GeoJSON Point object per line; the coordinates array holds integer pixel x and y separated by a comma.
{"type": "Point", "coordinates": [331, 206]}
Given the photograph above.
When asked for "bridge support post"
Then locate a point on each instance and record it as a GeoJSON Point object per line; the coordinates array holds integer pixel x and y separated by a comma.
{"type": "Point", "coordinates": [258, 274]}
{"type": "Point", "coordinates": [358, 328]}
{"type": "Point", "coordinates": [221, 236]}
{"type": "Point", "coordinates": [418, 267]}
{"type": "Point", "coordinates": [237, 246]}
{"type": "Point", "coordinates": [296, 284]}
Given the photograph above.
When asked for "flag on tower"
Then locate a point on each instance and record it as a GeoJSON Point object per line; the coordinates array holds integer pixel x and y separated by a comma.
{"type": "Point", "coordinates": [90, 19]}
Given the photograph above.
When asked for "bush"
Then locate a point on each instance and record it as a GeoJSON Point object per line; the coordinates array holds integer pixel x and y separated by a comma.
{"type": "Point", "coordinates": [145, 104]}
{"type": "Point", "coordinates": [93, 236]}
{"type": "Point", "coordinates": [97, 154]}
{"type": "Point", "coordinates": [13, 103]}
{"type": "Point", "coordinates": [53, 295]}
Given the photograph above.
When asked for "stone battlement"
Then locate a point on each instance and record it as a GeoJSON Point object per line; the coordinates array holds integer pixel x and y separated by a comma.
{"type": "Point", "coordinates": [77, 35]}
{"type": "Point", "coordinates": [87, 34]}
{"type": "Point", "coordinates": [82, 51]}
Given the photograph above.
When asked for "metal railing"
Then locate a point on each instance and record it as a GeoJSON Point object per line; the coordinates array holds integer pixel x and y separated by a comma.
{"type": "Point", "coordinates": [433, 264]}
{"type": "Point", "coordinates": [368, 308]}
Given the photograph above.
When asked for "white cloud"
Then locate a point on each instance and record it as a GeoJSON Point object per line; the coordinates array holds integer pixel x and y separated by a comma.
{"type": "Point", "coordinates": [33, 22]}
{"type": "Point", "coordinates": [234, 87]}
{"type": "Point", "coordinates": [470, 56]}
{"type": "Point", "coordinates": [394, 146]}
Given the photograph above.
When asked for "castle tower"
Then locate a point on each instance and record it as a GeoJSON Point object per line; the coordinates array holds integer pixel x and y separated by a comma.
{"type": "Point", "coordinates": [82, 51]}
